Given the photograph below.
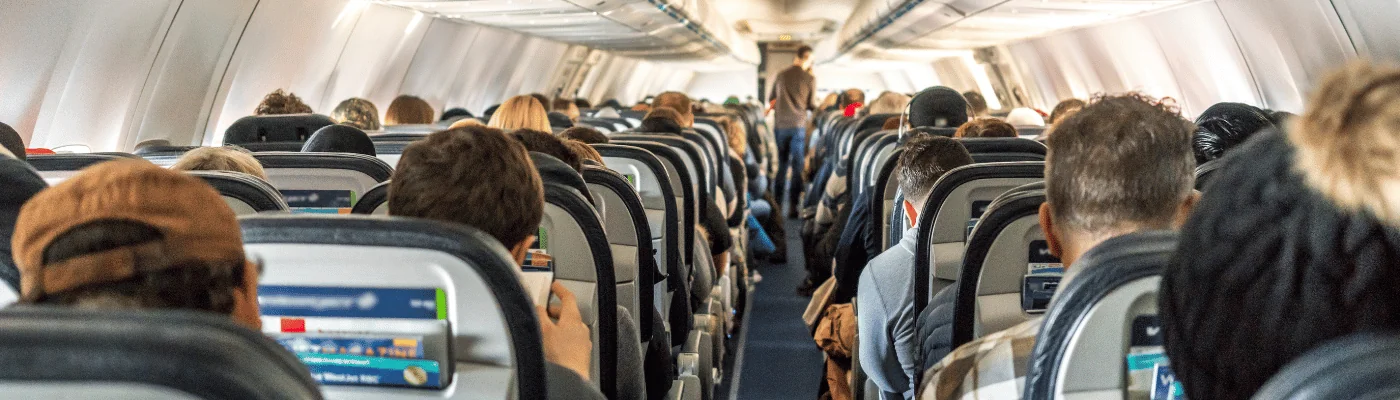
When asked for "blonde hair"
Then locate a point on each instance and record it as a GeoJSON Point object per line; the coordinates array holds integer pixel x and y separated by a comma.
{"type": "Point", "coordinates": [230, 159]}
{"type": "Point", "coordinates": [1348, 141]}
{"type": "Point", "coordinates": [408, 110]}
{"type": "Point", "coordinates": [738, 136]}
{"type": "Point", "coordinates": [465, 122]}
{"type": "Point", "coordinates": [521, 112]}
{"type": "Point", "coordinates": [357, 112]}
{"type": "Point", "coordinates": [888, 103]}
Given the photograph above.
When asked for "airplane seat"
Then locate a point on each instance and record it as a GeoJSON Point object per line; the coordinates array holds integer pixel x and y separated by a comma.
{"type": "Point", "coordinates": [1008, 273]}
{"type": "Point", "coordinates": [633, 118]}
{"type": "Point", "coordinates": [164, 156]}
{"type": "Point", "coordinates": [414, 129]}
{"type": "Point", "coordinates": [629, 236]}
{"type": "Point", "coordinates": [929, 130]}
{"type": "Point", "coordinates": [652, 178]}
{"type": "Point", "coordinates": [274, 132]}
{"type": "Point", "coordinates": [1360, 366]}
{"type": "Point", "coordinates": [987, 150]}
{"type": "Point", "coordinates": [684, 189]}
{"type": "Point", "coordinates": [652, 182]}
{"type": "Point", "coordinates": [603, 126]}
{"type": "Point", "coordinates": [245, 194]}
{"type": "Point", "coordinates": [453, 288]}
{"type": "Point", "coordinates": [689, 157]}
{"type": "Point", "coordinates": [323, 182]}
{"type": "Point", "coordinates": [1105, 312]}
{"type": "Point", "coordinates": [1206, 173]}
{"type": "Point", "coordinates": [55, 168]}
{"type": "Point", "coordinates": [1030, 132]}
{"type": "Point", "coordinates": [869, 158]}
{"type": "Point", "coordinates": [552, 170]}
{"type": "Point", "coordinates": [886, 186]}
{"type": "Point", "coordinates": [69, 353]}
{"type": "Point", "coordinates": [389, 146]}
{"type": "Point", "coordinates": [374, 202]}
{"type": "Point", "coordinates": [958, 199]}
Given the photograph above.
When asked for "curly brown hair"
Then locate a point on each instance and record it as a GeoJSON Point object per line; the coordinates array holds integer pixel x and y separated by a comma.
{"type": "Point", "coordinates": [281, 102]}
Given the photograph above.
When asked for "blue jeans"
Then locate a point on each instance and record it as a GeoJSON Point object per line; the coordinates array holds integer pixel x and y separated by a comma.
{"type": "Point", "coordinates": [792, 147]}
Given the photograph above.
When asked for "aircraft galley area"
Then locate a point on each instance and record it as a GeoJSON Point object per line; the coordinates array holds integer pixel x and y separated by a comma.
{"type": "Point", "coordinates": [700, 199]}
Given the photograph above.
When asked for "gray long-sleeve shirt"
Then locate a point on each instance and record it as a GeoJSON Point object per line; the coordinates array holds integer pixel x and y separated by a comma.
{"type": "Point", "coordinates": [886, 319]}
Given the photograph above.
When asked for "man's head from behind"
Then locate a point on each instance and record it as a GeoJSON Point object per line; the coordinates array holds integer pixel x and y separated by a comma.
{"type": "Point", "coordinates": [925, 159]}
{"type": "Point", "coordinates": [476, 176]}
{"type": "Point", "coordinates": [803, 57]}
{"type": "Point", "coordinates": [680, 103]}
{"type": "Point", "coordinates": [10, 140]}
{"type": "Point", "coordinates": [543, 142]}
{"type": "Point", "coordinates": [938, 107]}
{"type": "Point", "coordinates": [1123, 164]}
{"type": "Point", "coordinates": [131, 235]}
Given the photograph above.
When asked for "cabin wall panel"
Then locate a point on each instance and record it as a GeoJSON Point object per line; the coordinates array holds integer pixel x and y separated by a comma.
{"type": "Point", "coordinates": [79, 82]}
{"type": "Point", "coordinates": [1371, 26]}
{"type": "Point", "coordinates": [176, 101]}
{"type": "Point", "coordinates": [719, 85]}
{"type": "Point", "coordinates": [1290, 45]}
{"type": "Point", "coordinates": [376, 58]}
{"type": "Point", "coordinates": [291, 45]}
{"type": "Point", "coordinates": [438, 72]}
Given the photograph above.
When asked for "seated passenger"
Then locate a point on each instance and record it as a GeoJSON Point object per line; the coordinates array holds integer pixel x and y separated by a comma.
{"type": "Point", "coordinates": [455, 114]}
{"type": "Point", "coordinates": [977, 105]}
{"type": "Point", "coordinates": [339, 139]}
{"type": "Point", "coordinates": [544, 101]}
{"type": "Point", "coordinates": [1121, 165]}
{"type": "Point", "coordinates": [938, 107]}
{"type": "Point", "coordinates": [543, 142]}
{"type": "Point", "coordinates": [584, 152]}
{"type": "Point", "coordinates": [1023, 116]}
{"type": "Point", "coordinates": [408, 110]}
{"type": "Point", "coordinates": [281, 103]}
{"type": "Point", "coordinates": [986, 128]}
{"type": "Point", "coordinates": [1062, 111]}
{"type": "Point", "coordinates": [558, 120]}
{"type": "Point", "coordinates": [584, 134]}
{"type": "Point", "coordinates": [852, 102]}
{"type": "Point", "coordinates": [10, 141]}
{"type": "Point", "coordinates": [130, 235]}
{"type": "Point", "coordinates": [21, 184]}
{"type": "Point", "coordinates": [662, 120]}
{"type": "Point", "coordinates": [1300, 249]}
{"type": "Point", "coordinates": [888, 342]}
{"type": "Point", "coordinates": [521, 112]}
{"type": "Point", "coordinates": [1224, 126]}
{"type": "Point", "coordinates": [227, 158]}
{"type": "Point", "coordinates": [357, 112]}
{"type": "Point", "coordinates": [479, 177]}
{"type": "Point", "coordinates": [568, 108]}
{"type": "Point", "coordinates": [672, 115]}
{"type": "Point", "coordinates": [465, 122]}
{"type": "Point", "coordinates": [582, 103]}
{"type": "Point", "coordinates": [888, 103]}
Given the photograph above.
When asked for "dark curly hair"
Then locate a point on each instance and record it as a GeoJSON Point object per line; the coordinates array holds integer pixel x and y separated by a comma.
{"type": "Point", "coordinates": [280, 102]}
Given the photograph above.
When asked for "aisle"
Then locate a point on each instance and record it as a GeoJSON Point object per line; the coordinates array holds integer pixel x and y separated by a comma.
{"type": "Point", "coordinates": [779, 359]}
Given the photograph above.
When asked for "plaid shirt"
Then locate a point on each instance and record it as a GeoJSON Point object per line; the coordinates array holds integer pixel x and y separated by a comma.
{"type": "Point", "coordinates": [993, 367]}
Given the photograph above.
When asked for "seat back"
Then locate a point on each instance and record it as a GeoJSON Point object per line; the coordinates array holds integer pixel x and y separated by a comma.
{"type": "Point", "coordinates": [274, 132]}
{"type": "Point", "coordinates": [572, 236]}
{"type": "Point", "coordinates": [682, 187]}
{"type": "Point", "coordinates": [629, 236]}
{"type": "Point", "coordinates": [985, 150]}
{"type": "Point", "coordinates": [633, 118]}
{"type": "Point", "coordinates": [164, 156]}
{"type": "Point", "coordinates": [55, 168]}
{"type": "Point", "coordinates": [414, 129]}
{"type": "Point", "coordinates": [69, 353]}
{"type": "Point", "coordinates": [1008, 273]}
{"type": "Point", "coordinates": [389, 146]}
{"type": "Point", "coordinates": [889, 203]}
{"type": "Point", "coordinates": [1206, 173]}
{"type": "Point", "coordinates": [552, 170]}
{"type": "Point", "coordinates": [869, 158]}
{"type": "Point", "coordinates": [1361, 366]}
{"type": "Point", "coordinates": [323, 182]}
{"type": "Point", "coordinates": [452, 286]}
{"type": "Point", "coordinates": [1106, 311]}
{"type": "Point", "coordinates": [958, 199]}
{"type": "Point", "coordinates": [693, 159]}
{"type": "Point", "coordinates": [374, 202]}
{"type": "Point", "coordinates": [649, 176]}
{"type": "Point", "coordinates": [245, 194]}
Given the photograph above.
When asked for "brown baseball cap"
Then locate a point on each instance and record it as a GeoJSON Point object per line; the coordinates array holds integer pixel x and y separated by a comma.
{"type": "Point", "coordinates": [194, 222]}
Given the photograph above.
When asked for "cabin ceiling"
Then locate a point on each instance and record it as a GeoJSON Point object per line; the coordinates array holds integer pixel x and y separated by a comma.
{"type": "Point", "coordinates": [851, 30]}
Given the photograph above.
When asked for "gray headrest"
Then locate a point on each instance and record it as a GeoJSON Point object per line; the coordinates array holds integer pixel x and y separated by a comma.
{"type": "Point", "coordinates": [202, 354]}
